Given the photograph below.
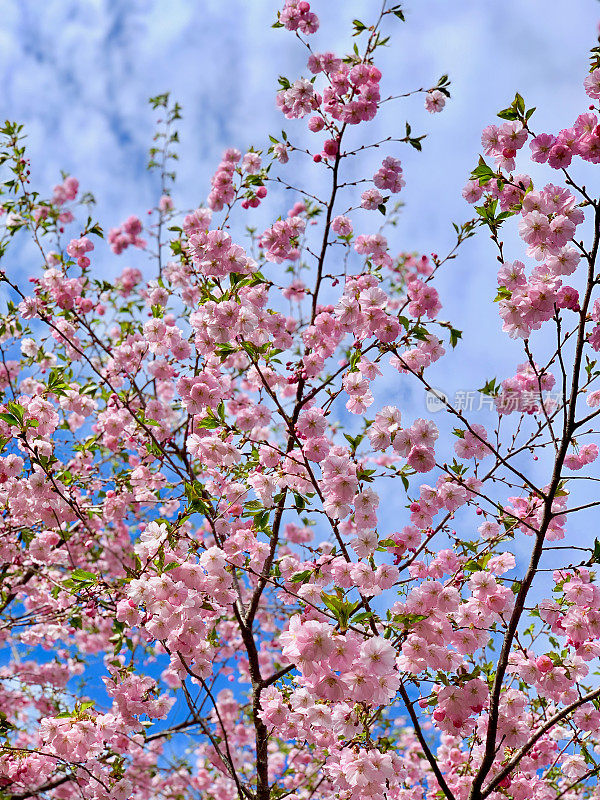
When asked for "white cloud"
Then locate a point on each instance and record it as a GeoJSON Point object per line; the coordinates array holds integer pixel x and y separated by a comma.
{"type": "Point", "coordinates": [78, 75]}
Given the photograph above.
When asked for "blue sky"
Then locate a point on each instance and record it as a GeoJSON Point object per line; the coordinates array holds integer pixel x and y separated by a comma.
{"type": "Point", "coordinates": [78, 74]}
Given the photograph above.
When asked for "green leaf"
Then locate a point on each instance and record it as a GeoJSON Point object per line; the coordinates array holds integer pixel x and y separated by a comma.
{"type": "Point", "coordinates": [97, 231]}
{"type": "Point", "coordinates": [301, 577]}
{"type": "Point", "coordinates": [208, 422]}
{"type": "Point", "coordinates": [519, 103]}
{"type": "Point", "coordinates": [364, 616]}
{"type": "Point", "coordinates": [387, 543]}
{"type": "Point", "coordinates": [516, 110]}
{"type": "Point", "coordinates": [503, 294]}
{"type": "Point", "coordinates": [491, 388]}
{"type": "Point", "coordinates": [508, 113]}
{"type": "Point", "coordinates": [483, 173]}
{"type": "Point", "coordinates": [261, 520]}
{"type": "Point", "coordinates": [416, 143]}
{"type": "Point", "coordinates": [17, 410]}
{"type": "Point", "coordinates": [455, 335]}
{"type": "Point", "coordinates": [341, 609]}
{"type": "Point", "coordinates": [56, 383]}
{"type": "Point", "coordinates": [299, 502]}
{"type": "Point", "coordinates": [82, 576]}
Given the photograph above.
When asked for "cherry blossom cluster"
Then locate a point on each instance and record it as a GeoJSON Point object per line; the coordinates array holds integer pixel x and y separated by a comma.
{"type": "Point", "coordinates": [127, 234]}
{"type": "Point", "coordinates": [297, 16]}
{"type": "Point", "coordinates": [222, 571]}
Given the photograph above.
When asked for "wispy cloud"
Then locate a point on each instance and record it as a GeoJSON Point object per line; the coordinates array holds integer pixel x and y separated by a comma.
{"type": "Point", "coordinates": [78, 74]}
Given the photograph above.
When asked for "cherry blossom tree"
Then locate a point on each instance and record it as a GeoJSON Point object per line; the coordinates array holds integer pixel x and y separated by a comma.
{"type": "Point", "coordinates": [222, 574]}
